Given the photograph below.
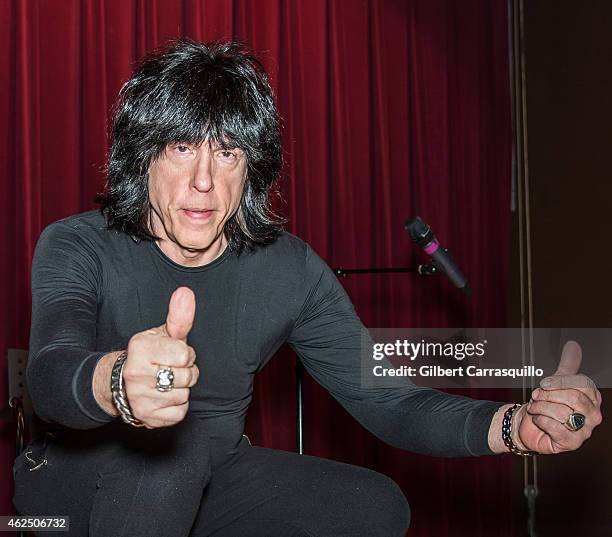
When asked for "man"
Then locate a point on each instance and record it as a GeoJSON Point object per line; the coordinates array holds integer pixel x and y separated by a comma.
{"type": "Point", "coordinates": [162, 307]}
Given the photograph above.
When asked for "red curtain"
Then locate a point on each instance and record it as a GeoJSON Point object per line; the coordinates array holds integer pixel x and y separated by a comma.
{"type": "Point", "coordinates": [391, 108]}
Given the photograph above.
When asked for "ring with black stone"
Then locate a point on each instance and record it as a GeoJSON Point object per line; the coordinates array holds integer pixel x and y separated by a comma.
{"type": "Point", "coordinates": [576, 421]}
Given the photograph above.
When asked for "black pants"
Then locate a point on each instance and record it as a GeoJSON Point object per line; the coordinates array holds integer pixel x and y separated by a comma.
{"type": "Point", "coordinates": [160, 483]}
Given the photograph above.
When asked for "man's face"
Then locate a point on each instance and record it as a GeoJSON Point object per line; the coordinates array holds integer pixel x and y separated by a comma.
{"type": "Point", "coordinates": [193, 191]}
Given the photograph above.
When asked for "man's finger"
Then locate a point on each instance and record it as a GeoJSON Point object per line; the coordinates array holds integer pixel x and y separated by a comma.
{"type": "Point", "coordinates": [557, 411]}
{"type": "Point", "coordinates": [571, 357]}
{"type": "Point", "coordinates": [176, 397]}
{"type": "Point", "coordinates": [184, 377]}
{"type": "Point", "coordinates": [565, 382]}
{"type": "Point", "coordinates": [181, 312]}
{"type": "Point", "coordinates": [168, 416]}
{"type": "Point", "coordinates": [569, 364]}
{"type": "Point", "coordinates": [577, 400]}
{"type": "Point", "coordinates": [558, 433]}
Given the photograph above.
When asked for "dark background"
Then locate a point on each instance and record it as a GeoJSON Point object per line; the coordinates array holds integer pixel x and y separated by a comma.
{"type": "Point", "coordinates": [391, 108]}
{"type": "Point", "coordinates": [569, 83]}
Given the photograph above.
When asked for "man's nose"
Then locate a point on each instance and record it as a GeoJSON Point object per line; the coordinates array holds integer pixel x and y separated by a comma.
{"type": "Point", "coordinates": [202, 179]}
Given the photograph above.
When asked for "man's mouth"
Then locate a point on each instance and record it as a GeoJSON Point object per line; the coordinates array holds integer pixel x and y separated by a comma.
{"type": "Point", "coordinates": [198, 214]}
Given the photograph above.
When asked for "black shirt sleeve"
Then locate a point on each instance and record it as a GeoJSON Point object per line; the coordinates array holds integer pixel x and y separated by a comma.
{"type": "Point", "coordinates": [327, 337]}
{"type": "Point", "coordinates": [66, 285]}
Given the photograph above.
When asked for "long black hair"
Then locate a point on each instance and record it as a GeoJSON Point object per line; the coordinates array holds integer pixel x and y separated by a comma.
{"type": "Point", "coordinates": [193, 93]}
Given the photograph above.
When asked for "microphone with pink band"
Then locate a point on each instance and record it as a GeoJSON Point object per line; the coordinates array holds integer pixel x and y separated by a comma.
{"type": "Point", "coordinates": [421, 234]}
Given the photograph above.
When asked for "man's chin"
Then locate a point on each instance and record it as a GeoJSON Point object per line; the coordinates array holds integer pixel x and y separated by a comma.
{"type": "Point", "coordinates": [200, 244]}
{"type": "Point", "coordinates": [196, 246]}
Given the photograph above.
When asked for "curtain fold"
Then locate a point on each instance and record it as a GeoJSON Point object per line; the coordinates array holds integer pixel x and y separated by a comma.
{"type": "Point", "coordinates": [390, 108]}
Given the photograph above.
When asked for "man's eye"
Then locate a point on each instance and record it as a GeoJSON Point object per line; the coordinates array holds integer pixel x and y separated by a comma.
{"type": "Point", "coordinates": [227, 155]}
{"type": "Point", "coordinates": [182, 148]}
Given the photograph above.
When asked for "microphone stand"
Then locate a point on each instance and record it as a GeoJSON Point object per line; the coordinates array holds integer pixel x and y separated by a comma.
{"type": "Point", "coordinates": [422, 270]}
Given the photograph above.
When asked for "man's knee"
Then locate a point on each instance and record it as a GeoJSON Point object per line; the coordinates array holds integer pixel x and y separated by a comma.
{"type": "Point", "coordinates": [391, 514]}
{"type": "Point", "coordinates": [170, 468]}
{"type": "Point", "coordinates": [369, 503]}
{"type": "Point", "coordinates": [177, 455]}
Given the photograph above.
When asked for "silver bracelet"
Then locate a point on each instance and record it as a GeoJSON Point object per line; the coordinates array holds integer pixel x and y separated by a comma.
{"type": "Point", "coordinates": [118, 392]}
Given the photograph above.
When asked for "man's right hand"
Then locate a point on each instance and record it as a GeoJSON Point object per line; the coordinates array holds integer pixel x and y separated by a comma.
{"type": "Point", "coordinates": [158, 347]}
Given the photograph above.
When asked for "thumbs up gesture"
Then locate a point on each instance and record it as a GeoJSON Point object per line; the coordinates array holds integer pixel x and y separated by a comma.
{"type": "Point", "coordinates": [545, 424]}
{"type": "Point", "coordinates": [162, 347]}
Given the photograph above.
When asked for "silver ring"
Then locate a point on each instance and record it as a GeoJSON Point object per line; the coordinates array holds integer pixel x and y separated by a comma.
{"type": "Point", "coordinates": [164, 379]}
{"type": "Point", "coordinates": [575, 421]}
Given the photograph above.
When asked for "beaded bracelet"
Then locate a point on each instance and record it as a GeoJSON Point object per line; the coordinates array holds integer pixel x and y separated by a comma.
{"type": "Point", "coordinates": [507, 433]}
{"type": "Point", "coordinates": [118, 392]}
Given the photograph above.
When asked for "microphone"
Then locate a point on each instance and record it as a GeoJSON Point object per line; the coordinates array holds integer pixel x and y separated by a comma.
{"type": "Point", "coordinates": [422, 234]}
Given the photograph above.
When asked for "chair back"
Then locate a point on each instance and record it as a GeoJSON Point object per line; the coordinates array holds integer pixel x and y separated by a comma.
{"type": "Point", "coordinates": [19, 398]}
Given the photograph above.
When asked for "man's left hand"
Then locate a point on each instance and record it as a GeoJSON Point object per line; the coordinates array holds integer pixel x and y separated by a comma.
{"type": "Point", "coordinates": [542, 424]}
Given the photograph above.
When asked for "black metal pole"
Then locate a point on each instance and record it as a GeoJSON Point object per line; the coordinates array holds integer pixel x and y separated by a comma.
{"type": "Point", "coordinates": [300, 405]}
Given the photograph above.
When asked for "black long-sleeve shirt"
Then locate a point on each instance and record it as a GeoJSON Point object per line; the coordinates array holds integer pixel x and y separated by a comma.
{"type": "Point", "coordinates": [93, 288]}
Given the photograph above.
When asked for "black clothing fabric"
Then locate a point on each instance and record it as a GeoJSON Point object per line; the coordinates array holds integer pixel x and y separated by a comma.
{"type": "Point", "coordinates": [157, 483]}
{"type": "Point", "coordinates": [93, 288]}
{"type": "Point", "coordinates": [120, 481]}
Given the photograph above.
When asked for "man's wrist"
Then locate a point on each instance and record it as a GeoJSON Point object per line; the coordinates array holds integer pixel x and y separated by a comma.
{"type": "Point", "coordinates": [516, 420]}
{"type": "Point", "coordinates": [101, 383]}
{"type": "Point", "coordinates": [117, 387]}
{"type": "Point", "coordinates": [508, 417]}
{"type": "Point", "coordinates": [496, 443]}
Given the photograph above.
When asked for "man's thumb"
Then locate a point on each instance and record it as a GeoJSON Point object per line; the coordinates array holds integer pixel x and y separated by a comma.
{"type": "Point", "coordinates": [571, 357]}
{"type": "Point", "coordinates": [181, 312]}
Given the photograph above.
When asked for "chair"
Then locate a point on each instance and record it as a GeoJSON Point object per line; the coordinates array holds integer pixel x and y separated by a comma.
{"type": "Point", "coordinates": [19, 398]}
